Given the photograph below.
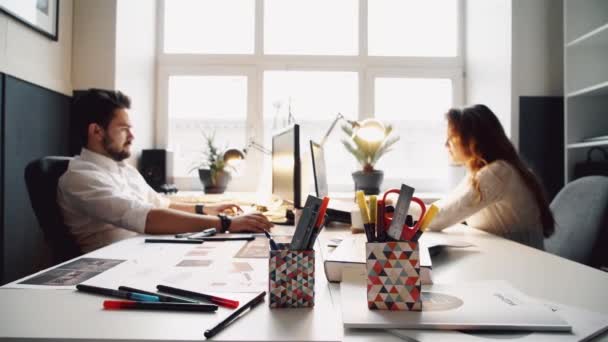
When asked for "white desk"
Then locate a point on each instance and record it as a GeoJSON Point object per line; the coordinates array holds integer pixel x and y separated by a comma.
{"type": "Point", "coordinates": [59, 315]}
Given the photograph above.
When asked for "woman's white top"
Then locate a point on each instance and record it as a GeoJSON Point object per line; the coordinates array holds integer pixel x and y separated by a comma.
{"type": "Point", "coordinates": [507, 207]}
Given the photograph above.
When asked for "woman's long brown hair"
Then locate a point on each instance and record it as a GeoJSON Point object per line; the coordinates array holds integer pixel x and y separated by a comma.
{"type": "Point", "coordinates": [484, 140]}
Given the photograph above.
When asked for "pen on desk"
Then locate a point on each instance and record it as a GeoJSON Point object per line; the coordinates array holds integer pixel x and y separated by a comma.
{"type": "Point", "coordinates": [116, 293]}
{"type": "Point", "coordinates": [152, 240]}
{"type": "Point", "coordinates": [227, 238]}
{"type": "Point", "coordinates": [183, 235]}
{"type": "Point", "coordinates": [273, 245]}
{"type": "Point", "coordinates": [373, 211]}
{"type": "Point", "coordinates": [162, 297]}
{"type": "Point", "coordinates": [364, 214]}
{"type": "Point", "coordinates": [205, 233]}
{"type": "Point", "coordinates": [240, 311]}
{"type": "Point", "coordinates": [125, 304]}
{"type": "Point", "coordinates": [229, 303]}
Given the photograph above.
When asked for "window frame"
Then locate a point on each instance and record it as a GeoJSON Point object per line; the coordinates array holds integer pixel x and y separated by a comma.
{"type": "Point", "coordinates": [254, 65]}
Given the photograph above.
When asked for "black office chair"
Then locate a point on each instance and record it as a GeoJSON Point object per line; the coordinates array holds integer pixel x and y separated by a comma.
{"type": "Point", "coordinates": [581, 216]}
{"type": "Point", "coordinates": [41, 177]}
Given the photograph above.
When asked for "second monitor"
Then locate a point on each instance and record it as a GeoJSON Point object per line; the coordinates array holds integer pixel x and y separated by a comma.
{"type": "Point", "coordinates": [287, 166]}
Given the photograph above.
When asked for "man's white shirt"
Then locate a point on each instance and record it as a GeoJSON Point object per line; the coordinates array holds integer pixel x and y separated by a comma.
{"type": "Point", "coordinates": [103, 201]}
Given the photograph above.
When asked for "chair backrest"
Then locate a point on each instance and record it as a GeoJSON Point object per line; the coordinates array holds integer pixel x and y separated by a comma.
{"type": "Point", "coordinates": [581, 216]}
{"type": "Point", "coordinates": [41, 178]}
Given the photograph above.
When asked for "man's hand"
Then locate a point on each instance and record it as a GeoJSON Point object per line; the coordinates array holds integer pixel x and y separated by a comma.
{"type": "Point", "coordinates": [253, 223]}
{"type": "Point", "coordinates": [227, 208]}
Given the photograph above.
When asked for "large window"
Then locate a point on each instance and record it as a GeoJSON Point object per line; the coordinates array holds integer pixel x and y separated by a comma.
{"type": "Point", "coordinates": [242, 68]}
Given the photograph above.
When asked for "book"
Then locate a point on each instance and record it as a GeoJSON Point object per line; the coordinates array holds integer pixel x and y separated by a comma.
{"type": "Point", "coordinates": [350, 253]}
{"type": "Point", "coordinates": [495, 306]}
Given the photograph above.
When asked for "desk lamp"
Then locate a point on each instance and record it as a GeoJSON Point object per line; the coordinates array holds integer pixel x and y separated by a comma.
{"type": "Point", "coordinates": [234, 156]}
{"type": "Point", "coordinates": [369, 130]}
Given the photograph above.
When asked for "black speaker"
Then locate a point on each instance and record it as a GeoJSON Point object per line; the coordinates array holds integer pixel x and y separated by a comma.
{"type": "Point", "coordinates": [157, 167]}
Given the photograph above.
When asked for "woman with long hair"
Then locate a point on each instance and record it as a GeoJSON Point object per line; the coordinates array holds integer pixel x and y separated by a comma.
{"type": "Point", "coordinates": [500, 194]}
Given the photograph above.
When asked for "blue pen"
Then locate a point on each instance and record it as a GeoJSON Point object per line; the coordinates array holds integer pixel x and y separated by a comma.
{"type": "Point", "coordinates": [117, 293]}
{"type": "Point", "coordinates": [273, 244]}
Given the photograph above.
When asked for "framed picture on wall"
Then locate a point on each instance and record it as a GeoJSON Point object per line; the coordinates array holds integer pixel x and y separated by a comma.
{"type": "Point", "coordinates": [40, 15]}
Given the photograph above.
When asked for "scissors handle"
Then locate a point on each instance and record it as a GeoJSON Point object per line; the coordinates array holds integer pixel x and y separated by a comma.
{"type": "Point", "coordinates": [407, 233]}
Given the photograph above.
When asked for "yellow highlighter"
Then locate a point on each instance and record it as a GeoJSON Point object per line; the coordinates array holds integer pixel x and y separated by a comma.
{"type": "Point", "coordinates": [364, 214]}
{"type": "Point", "coordinates": [373, 213]}
{"type": "Point", "coordinates": [429, 216]}
{"type": "Point", "coordinates": [363, 207]}
{"type": "Point", "coordinates": [373, 208]}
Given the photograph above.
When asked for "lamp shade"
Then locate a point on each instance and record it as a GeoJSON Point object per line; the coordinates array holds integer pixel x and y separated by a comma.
{"type": "Point", "coordinates": [233, 156]}
{"type": "Point", "coordinates": [371, 131]}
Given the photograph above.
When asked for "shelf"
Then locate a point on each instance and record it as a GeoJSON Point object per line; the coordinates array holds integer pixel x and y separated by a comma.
{"type": "Point", "coordinates": [597, 37]}
{"type": "Point", "coordinates": [594, 90]}
{"type": "Point", "coordinates": [588, 144]}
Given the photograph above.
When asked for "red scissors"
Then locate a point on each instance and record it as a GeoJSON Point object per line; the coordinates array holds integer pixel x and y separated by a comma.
{"type": "Point", "coordinates": [407, 232]}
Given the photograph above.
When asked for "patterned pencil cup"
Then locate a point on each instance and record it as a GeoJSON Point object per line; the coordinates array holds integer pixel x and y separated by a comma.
{"type": "Point", "coordinates": [291, 278]}
{"type": "Point", "coordinates": [393, 276]}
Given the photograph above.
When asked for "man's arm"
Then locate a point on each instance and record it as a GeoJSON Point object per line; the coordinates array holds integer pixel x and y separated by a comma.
{"type": "Point", "coordinates": [171, 221]}
{"type": "Point", "coordinates": [208, 209]}
{"type": "Point", "coordinates": [184, 207]}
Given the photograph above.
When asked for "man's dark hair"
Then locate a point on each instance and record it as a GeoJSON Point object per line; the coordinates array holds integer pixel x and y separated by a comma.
{"type": "Point", "coordinates": [97, 106]}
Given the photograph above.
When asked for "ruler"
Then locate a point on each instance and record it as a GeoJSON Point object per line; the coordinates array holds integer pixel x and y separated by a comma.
{"type": "Point", "coordinates": [403, 205]}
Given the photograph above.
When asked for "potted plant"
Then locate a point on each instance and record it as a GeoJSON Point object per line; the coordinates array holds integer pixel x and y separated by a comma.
{"type": "Point", "coordinates": [213, 170]}
{"type": "Point", "coordinates": [367, 143]}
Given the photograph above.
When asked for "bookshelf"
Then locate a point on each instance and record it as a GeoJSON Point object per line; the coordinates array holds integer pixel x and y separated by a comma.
{"type": "Point", "coordinates": [586, 79]}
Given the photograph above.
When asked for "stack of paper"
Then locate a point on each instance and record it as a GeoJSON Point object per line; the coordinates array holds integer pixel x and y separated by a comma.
{"type": "Point", "coordinates": [479, 306]}
{"type": "Point", "coordinates": [585, 326]}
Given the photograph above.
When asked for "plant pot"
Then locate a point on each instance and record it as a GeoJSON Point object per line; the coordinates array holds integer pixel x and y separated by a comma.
{"type": "Point", "coordinates": [216, 184]}
{"type": "Point", "coordinates": [368, 181]}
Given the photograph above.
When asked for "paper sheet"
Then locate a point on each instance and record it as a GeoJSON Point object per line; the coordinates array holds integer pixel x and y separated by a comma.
{"type": "Point", "coordinates": [585, 325]}
{"type": "Point", "coordinates": [66, 276]}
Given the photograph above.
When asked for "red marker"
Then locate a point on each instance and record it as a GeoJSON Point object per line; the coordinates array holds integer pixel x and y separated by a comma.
{"type": "Point", "coordinates": [229, 303]}
{"type": "Point", "coordinates": [126, 304]}
{"type": "Point", "coordinates": [322, 211]}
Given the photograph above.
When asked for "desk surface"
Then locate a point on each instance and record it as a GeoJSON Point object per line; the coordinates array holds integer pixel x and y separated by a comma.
{"type": "Point", "coordinates": [64, 314]}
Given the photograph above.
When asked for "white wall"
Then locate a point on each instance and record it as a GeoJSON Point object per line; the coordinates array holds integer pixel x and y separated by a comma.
{"type": "Point", "coordinates": [94, 44]}
{"type": "Point", "coordinates": [537, 48]}
{"type": "Point", "coordinates": [135, 65]}
{"type": "Point", "coordinates": [28, 55]}
{"type": "Point", "coordinates": [513, 48]}
{"type": "Point", "coordinates": [488, 56]}
{"type": "Point", "coordinates": [115, 48]}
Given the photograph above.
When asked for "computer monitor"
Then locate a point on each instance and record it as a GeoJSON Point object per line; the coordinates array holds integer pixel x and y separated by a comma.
{"type": "Point", "coordinates": [286, 165]}
{"type": "Point", "coordinates": [318, 169]}
{"type": "Point", "coordinates": [338, 211]}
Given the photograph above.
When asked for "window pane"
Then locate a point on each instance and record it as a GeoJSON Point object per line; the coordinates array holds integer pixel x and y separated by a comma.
{"type": "Point", "coordinates": [416, 108]}
{"type": "Point", "coordinates": [316, 98]}
{"type": "Point", "coordinates": [413, 28]}
{"type": "Point", "coordinates": [311, 27]}
{"type": "Point", "coordinates": [209, 26]}
{"type": "Point", "coordinates": [197, 105]}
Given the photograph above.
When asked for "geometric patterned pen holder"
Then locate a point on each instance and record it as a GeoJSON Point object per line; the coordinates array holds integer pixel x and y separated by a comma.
{"type": "Point", "coordinates": [291, 278]}
{"type": "Point", "coordinates": [393, 276]}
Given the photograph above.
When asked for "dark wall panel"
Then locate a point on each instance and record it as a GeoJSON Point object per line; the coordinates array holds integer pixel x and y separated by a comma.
{"type": "Point", "coordinates": [2, 78]}
{"type": "Point", "coordinates": [35, 125]}
{"type": "Point", "coordinates": [541, 139]}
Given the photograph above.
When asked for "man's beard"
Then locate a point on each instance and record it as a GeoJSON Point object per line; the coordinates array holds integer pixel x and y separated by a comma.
{"type": "Point", "coordinates": [116, 154]}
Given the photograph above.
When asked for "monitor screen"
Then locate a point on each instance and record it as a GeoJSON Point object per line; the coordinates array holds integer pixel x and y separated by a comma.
{"type": "Point", "coordinates": [318, 169]}
{"type": "Point", "coordinates": [286, 166]}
